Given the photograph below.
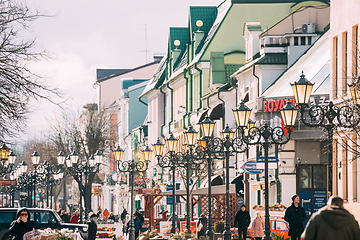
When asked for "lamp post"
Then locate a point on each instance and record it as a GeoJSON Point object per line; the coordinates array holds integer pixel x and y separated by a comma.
{"type": "Point", "coordinates": [131, 167]}
{"type": "Point", "coordinates": [7, 160]}
{"type": "Point", "coordinates": [77, 168]}
{"type": "Point", "coordinates": [326, 116]}
{"type": "Point", "coordinates": [171, 160]}
{"type": "Point", "coordinates": [265, 135]}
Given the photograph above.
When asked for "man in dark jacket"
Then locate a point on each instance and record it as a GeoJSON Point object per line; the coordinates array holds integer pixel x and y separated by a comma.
{"type": "Point", "coordinates": [332, 222]}
{"type": "Point", "coordinates": [295, 215]}
{"type": "Point", "coordinates": [21, 224]}
{"type": "Point", "coordinates": [204, 222]}
{"type": "Point", "coordinates": [137, 226]}
{"type": "Point", "coordinates": [123, 215]}
{"type": "Point", "coordinates": [242, 221]}
{"type": "Point", "coordinates": [92, 226]}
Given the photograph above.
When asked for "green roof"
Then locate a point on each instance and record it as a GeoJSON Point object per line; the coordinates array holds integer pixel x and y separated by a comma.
{"type": "Point", "coordinates": [178, 33]}
{"type": "Point", "coordinates": [230, 69]}
{"type": "Point", "coordinates": [273, 59]}
{"type": "Point", "coordinates": [207, 14]}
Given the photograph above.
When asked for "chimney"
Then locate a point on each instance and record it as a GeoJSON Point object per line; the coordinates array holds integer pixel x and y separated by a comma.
{"type": "Point", "coordinates": [198, 35]}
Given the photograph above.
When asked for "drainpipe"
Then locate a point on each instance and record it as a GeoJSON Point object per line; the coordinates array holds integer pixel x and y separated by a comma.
{"type": "Point", "coordinates": [191, 95]}
{"type": "Point", "coordinates": [164, 105]}
{"type": "Point", "coordinates": [258, 81]}
{"type": "Point", "coordinates": [278, 184]}
{"type": "Point", "coordinates": [200, 92]}
{"type": "Point", "coordinates": [171, 107]}
{"type": "Point", "coordinates": [142, 102]}
{"type": "Point", "coordinates": [223, 108]}
{"type": "Point", "coordinates": [186, 100]}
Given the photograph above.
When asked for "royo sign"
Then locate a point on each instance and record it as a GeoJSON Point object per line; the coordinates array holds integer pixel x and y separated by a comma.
{"type": "Point", "coordinates": [276, 105]}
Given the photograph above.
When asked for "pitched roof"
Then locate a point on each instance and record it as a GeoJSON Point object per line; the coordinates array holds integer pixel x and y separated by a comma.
{"type": "Point", "coordinates": [102, 73]}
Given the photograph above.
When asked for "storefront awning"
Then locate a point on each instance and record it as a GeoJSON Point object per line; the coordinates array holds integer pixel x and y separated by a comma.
{"type": "Point", "coordinates": [203, 115]}
{"type": "Point", "coordinates": [215, 113]}
{"type": "Point", "coordinates": [238, 181]}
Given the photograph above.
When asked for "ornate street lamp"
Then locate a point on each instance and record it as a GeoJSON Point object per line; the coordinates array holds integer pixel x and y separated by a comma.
{"type": "Point", "coordinates": [326, 116]}
{"type": "Point", "coordinates": [265, 136]}
{"type": "Point", "coordinates": [7, 160]}
{"type": "Point", "coordinates": [131, 167]}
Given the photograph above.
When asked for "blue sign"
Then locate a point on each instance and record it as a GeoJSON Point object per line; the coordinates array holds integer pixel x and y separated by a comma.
{"type": "Point", "coordinates": [169, 200]}
{"type": "Point", "coordinates": [250, 168]}
{"type": "Point", "coordinates": [319, 199]}
{"type": "Point", "coordinates": [262, 159]}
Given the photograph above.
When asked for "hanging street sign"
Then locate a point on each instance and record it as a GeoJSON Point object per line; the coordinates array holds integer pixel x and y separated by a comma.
{"type": "Point", "coordinates": [149, 191]}
{"type": "Point", "coordinates": [7, 182]}
{"type": "Point", "coordinates": [250, 168]}
{"type": "Point", "coordinates": [260, 162]}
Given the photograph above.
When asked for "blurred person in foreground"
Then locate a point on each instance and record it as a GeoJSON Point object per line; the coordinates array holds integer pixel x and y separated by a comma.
{"type": "Point", "coordinates": [332, 222]}
{"type": "Point", "coordinates": [92, 223]}
{"type": "Point", "coordinates": [21, 224]}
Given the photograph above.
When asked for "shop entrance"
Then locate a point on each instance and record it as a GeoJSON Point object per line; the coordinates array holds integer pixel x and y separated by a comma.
{"type": "Point", "coordinates": [311, 181]}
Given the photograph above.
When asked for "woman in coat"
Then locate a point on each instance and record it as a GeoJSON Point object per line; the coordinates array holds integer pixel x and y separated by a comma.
{"type": "Point", "coordinates": [202, 230]}
{"type": "Point", "coordinates": [258, 226]}
{"type": "Point", "coordinates": [295, 215]}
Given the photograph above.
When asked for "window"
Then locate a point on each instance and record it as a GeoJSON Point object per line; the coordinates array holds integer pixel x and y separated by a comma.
{"type": "Point", "coordinates": [344, 170]}
{"type": "Point", "coordinates": [296, 41]}
{"type": "Point", "coordinates": [344, 62]}
{"type": "Point", "coordinates": [45, 217]}
{"type": "Point", "coordinates": [335, 66]}
{"type": "Point", "coordinates": [335, 167]}
{"type": "Point", "coordinates": [309, 40]}
{"type": "Point", "coordinates": [303, 39]}
{"type": "Point", "coordinates": [319, 180]}
{"type": "Point", "coordinates": [305, 177]}
{"type": "Point", "coordinates": [7, 217]}
{"type": "Point", "coordinates": [354, 168]}
{"type": "Point", "coordinates": [355, 51]}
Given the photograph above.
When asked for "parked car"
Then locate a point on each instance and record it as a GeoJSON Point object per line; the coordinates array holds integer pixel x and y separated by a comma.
{"type": "Point", "coordinates": [44, 218]}
{"type": "Point", "coordinates": [278, 226]}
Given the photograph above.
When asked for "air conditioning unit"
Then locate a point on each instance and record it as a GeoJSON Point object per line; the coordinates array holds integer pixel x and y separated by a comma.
{"type": "Point", "coordinates": [308, 28]}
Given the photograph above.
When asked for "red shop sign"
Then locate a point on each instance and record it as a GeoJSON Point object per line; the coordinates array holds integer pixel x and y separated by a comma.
{"type": "Point", "coordinates": [276, 105]}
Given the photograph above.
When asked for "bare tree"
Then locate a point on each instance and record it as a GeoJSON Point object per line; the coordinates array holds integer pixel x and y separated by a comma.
{"type": "Point", "coordinates": [18, 83]}
{"type": "Point", "coordinates": [85, 134]}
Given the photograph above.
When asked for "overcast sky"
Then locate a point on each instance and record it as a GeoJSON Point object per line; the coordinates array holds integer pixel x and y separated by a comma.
{"type": "Point", "coordinates": [86, 35]}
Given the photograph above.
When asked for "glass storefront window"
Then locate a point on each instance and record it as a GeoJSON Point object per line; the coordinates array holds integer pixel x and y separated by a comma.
{"type": "Point", "coordinates": [319, 177]}
{"type": "Point", "coordinates": [305, 177]}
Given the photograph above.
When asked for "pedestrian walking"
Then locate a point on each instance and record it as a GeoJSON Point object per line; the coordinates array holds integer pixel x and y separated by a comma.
{"type": "Point", "coordinates": [123, 215]}
{"type": "Point", "coordinates": [21, 224]}
{"type": "Point", "coordinates": [64, 216]}
{"type": "Point", "coordinates": [92, 223]}
{"type": "Point", "coordinates": [332, 222]}
{"type": "Point", "coordinates": [242, 221]}
{"type": "Point", "coordinates": [295, 216]}
{"type": "Point", "coordinates": [258, 226]}
{"type": "Point", "coordinates": [139, 215]}
{"type": "Point", "coordinates": [202, 226]}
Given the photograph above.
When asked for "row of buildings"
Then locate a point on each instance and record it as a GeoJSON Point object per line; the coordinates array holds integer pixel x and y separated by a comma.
{"type": "Point", "coordinates": [238, 51]}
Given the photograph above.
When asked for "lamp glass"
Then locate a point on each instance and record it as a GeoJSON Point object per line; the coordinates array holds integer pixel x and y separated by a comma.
{"type": "Point", "coordinates": [98, 157]}
{"type": "Point", "coordinates": [92, 160]}
{"type": "Point", "coordinates": [61, 175]}
{"type": "Point", "coordinates": [12, 158]}
{"type": "Point", "coordinates": [12, 177]}
{"type": "Point", "coordinates": [61, 158]}
{"type": "Point", "coordinates": [74, 157]}
{"type": "Point", "coordinates": [302, 90]}
{"type": "Point", "coordinates": [207, 126]}
{"type": "Point", "coordinates": [227, 132]}
{"type": "Point", "coordinates": [35, 158]}
{"type": "Point", "coordinates": [23, 167]}
{"type": "Point", "coordinates": [289, 114]}
{"type": "Point", "coordinates": [158, 148]}
{"type": "Point", "coordinates": [118, 153]}
{"type": "Point", "coordinates": [147, 153]}
{"type": "Point", "coordinates": [355, 92]}
{"type": "Point", "coordinates": [242, 115]}
{"type": "Point", "coordinates": [68, 162]}
{"type": "Point", "coordinates": [202, 142]}
{"type": "Point", "coordinates": [4, 152]}
{"type": "Point", "coordinates": [171, 143]}
{"type": "Point", "coordinates": [191, 136]}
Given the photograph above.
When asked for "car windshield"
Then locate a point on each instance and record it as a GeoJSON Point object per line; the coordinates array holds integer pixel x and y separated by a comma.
{"type": "Point", "coordinates": [7, 217]}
